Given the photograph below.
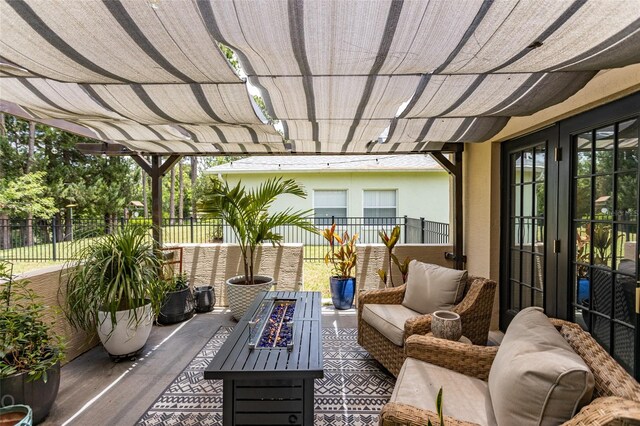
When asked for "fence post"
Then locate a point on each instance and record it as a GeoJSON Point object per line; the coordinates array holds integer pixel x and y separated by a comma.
{"type": "Point", "coordinates": [405, 228]}
{"type": "Point", "coordinates": [191, 228]}
{"type": "Point", "coordinates": [422, 230]}
{"type": "Point", "coordinates": [54, 238]}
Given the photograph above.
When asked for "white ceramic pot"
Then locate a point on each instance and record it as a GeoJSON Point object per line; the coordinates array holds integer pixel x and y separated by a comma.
{"type": "Point", "coordinates": [125, 338]}
{"type": "Point", "coordinates": [240, 296]}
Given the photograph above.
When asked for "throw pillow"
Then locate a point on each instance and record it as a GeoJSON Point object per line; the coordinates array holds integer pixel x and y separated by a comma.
{"type": "Point", "coordinates": [432, 288]}
{"type": "Point", "coordinates": [536, 378]}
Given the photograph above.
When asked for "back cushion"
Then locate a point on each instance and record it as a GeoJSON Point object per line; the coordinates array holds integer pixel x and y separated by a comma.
{"type": "Point", "coordinates": [431, 287]}
{"type": "Point", "coordinates": [536, 378]}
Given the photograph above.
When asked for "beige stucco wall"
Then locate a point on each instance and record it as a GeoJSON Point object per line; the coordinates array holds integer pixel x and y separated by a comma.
{"type": "Point", "coordinates": [481, 163]}
{"type": "Point", "coordinates": [46, 282]}
{"type": "Point", "coordinates": [212, 264]}
{"type": "Point", "coordinates": [419, 194]}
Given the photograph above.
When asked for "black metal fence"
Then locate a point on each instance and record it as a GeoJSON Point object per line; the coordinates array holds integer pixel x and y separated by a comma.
{"type": "Point", "coordinates": [60, 240]}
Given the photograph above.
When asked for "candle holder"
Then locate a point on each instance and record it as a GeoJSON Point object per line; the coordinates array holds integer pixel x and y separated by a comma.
{"type": "Point", "coordinates": [446, 325]}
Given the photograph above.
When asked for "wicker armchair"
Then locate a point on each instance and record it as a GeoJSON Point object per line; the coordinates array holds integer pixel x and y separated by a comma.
{"type": "Point", "coordinates": [474, 310]}
{"type": "Point", "coordinates": [616, 397]}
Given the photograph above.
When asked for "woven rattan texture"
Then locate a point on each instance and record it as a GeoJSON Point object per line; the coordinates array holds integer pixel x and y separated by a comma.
{"type": "Point", "coordinates": [475, 313]}
{"type": "Point", "coordinates": [617, 394]}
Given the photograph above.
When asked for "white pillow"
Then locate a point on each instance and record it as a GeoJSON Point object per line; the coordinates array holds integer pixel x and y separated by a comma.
{"type": "Point", "coordinates": [536, 378]}
{"type": "Point", "coordinates": [433, 288]}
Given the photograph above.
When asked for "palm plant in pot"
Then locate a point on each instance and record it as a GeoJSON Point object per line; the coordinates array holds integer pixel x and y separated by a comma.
{"type": "Point", "coordinates": [246, 213]}
{"type": "Point", "coordinates": [115, 290]}
{"type": "Point", "coordinates": [342, 256]}
{"type": "Point", "coordinates": [30, 353]}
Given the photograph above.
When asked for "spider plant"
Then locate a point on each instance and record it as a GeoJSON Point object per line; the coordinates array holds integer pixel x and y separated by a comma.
{"type": "Point", "coordinates": [118, 272]}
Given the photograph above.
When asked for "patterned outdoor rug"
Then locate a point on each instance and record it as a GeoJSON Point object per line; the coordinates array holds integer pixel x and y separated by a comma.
{"type": "Point", "coordinates": [353, 390]}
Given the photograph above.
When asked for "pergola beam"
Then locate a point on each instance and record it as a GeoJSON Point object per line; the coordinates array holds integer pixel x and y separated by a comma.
{"type": "Point", "coordinates": [455, 170]}
{"type": "Point", "coordinates": [156, 169]}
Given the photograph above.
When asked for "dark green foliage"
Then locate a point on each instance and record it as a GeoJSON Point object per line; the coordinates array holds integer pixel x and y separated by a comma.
{"type": "Point", "coordinates": [246, 212]}
{"type": "Point", "coordinates": [27, 343]}
{"type": "Point", "coordinates": [119, 271]}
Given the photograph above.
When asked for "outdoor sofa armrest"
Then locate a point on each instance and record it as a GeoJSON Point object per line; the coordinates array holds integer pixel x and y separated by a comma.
{"type": "Point", "coordinates": [476, 308]}
{"type": "Point", "coordinates": [608, 410]}
{"type": "Point", "coordinates": [397, 414]}
{"type": "Point", "coordinates": [385, 296]}
{"type": "Point", "coordinates": [417, 325]}
{"type": "Point", "coordinates": [470, 360]}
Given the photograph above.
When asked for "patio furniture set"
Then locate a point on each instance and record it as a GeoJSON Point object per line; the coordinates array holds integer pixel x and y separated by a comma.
{"type": "Point", "coordinates": [546, 371]}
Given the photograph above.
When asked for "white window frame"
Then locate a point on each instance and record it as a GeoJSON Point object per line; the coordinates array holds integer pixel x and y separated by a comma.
{"type": "Point", "coordinates": [394, 190]}
{"type": "Point", "coordinates": [323, 220]}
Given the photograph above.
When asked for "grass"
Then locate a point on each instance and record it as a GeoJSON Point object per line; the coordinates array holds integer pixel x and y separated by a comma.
{"type": "Point", "coordinates": [316, 278]}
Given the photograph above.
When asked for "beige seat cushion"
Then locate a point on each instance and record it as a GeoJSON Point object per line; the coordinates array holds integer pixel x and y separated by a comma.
{"type": "Point", "coordinates": [388, 320]}
{"type": "Point", "coordinates": [433, 288]}
{"type": "Point", "coordinates": [463, 397]}
{"type": "Point", "coordinates": [536, 378]}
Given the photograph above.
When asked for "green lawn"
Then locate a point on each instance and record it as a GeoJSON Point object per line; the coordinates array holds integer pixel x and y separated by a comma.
{"type": "Point", "coordinates": [316, 278]}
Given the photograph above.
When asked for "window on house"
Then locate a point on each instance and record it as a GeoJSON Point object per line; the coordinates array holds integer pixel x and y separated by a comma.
{"type": "Point", "coordinates": [379, 204]}
{"type": "Point", "coordinates": [329, 205]}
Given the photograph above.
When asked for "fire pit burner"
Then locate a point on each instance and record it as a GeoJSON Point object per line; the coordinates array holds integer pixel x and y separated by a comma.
{"type": "Point", "coordinates": [272, 325]}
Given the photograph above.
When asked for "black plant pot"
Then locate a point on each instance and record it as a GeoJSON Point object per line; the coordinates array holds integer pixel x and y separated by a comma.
{"type": "Point", "coordinates": [205, 298]}
{"type": "Point", "coordinates": [178, 306]}
{"type": "Point", "coordinates": [37, 394]}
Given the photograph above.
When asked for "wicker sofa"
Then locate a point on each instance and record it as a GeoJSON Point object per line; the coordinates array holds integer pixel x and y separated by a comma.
{"type": "Point", "coordinates": [474, 310]}
{"type": "Point", "coordinates": [615, 400]}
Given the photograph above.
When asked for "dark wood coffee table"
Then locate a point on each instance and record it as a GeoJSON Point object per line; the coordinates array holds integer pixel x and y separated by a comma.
{"type": "Point", "coordinates": [271, 386]}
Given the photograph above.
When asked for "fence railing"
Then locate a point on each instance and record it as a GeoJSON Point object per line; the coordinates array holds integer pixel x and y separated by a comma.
{"type": "Point", "coordinates": [61, 240]}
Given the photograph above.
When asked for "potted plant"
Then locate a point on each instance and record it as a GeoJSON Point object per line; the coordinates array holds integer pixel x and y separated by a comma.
{"type": "Point", "coordinates": [115, 290]}
{"type": "Point", "coordinates": [342, 256]}
{"type": "Point", "coordinates": [246, 213]}
{"type": "Point", "coordinates": [582, 268]}
{"type": "Point", "coordinates": [390, 241]}
{"type": "Point", "coordinates": [30, 353]}
{"type": "Point", "coordinates": [178, 304]}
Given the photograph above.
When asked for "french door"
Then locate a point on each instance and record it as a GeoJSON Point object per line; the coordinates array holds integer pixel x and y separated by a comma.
{"type": "Point", "coordinates": [576, 253]}
{"type": "Point", "coordinates": [525, 233]}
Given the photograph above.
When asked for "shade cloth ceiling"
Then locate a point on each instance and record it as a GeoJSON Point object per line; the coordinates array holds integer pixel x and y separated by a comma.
{"type": "Point", "coordinates": [340, 76]}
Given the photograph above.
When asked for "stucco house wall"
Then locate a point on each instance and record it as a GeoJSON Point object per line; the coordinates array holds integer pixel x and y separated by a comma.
{"type": "Point", "coordinates": [481, 165]}
{"type": "Point", "coordinates": [419, 194]}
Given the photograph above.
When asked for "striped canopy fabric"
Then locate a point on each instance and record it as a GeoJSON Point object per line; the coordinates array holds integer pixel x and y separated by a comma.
{"type": "Point", "coordinates": [337, 76]}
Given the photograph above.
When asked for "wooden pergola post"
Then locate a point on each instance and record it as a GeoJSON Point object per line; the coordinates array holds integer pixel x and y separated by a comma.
{"type": "Point", "coordinates": [156, 170]}
{"type": "Point", "coordinates": [455, 170]}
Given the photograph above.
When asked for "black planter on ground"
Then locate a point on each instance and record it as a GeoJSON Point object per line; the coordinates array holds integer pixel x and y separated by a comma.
{"type": "Point", "coordinates": [205, 298]}
{"type": "Point", "coordinates": [178, 306]}
{"type": "Point", "coordinates": [37, 394]}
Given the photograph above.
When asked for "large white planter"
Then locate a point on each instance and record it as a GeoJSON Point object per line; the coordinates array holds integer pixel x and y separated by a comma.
{"type": "Point", "coordinates": [125, 338]}
{"type": "Point", "coordinates": [240, 296]}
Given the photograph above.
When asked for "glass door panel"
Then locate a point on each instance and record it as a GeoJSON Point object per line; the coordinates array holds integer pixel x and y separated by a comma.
{"type": "Point", "coordinates": [605, 224]}
{"type": "Point", "coordinates": [525, 268]}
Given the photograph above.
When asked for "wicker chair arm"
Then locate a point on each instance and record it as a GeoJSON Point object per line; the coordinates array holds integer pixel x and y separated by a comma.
{"type": "Point", "coordinates": [417, 325]}
{"type": "Point", "coordinates": [609, 410]}
{"type": "Point", "coordinates": [476, 308]}
{"type": "Point", "coordinates": [385, 296]}
{"type": "Point", "coordinates": [397, 414]}
{"type": "Point", "coordinates": [470, 360]}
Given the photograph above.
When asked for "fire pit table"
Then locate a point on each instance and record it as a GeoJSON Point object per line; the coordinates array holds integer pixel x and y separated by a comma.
{"type": "Point", "coordinates": [270, 360]}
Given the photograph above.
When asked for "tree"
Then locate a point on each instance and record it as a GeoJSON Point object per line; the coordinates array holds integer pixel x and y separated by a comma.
{"type": "Point", "coordinates": [26, 195]}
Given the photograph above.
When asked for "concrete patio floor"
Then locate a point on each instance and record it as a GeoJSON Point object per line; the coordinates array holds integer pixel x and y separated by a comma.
{"type": "Point", "coordinates": [96, 391]}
